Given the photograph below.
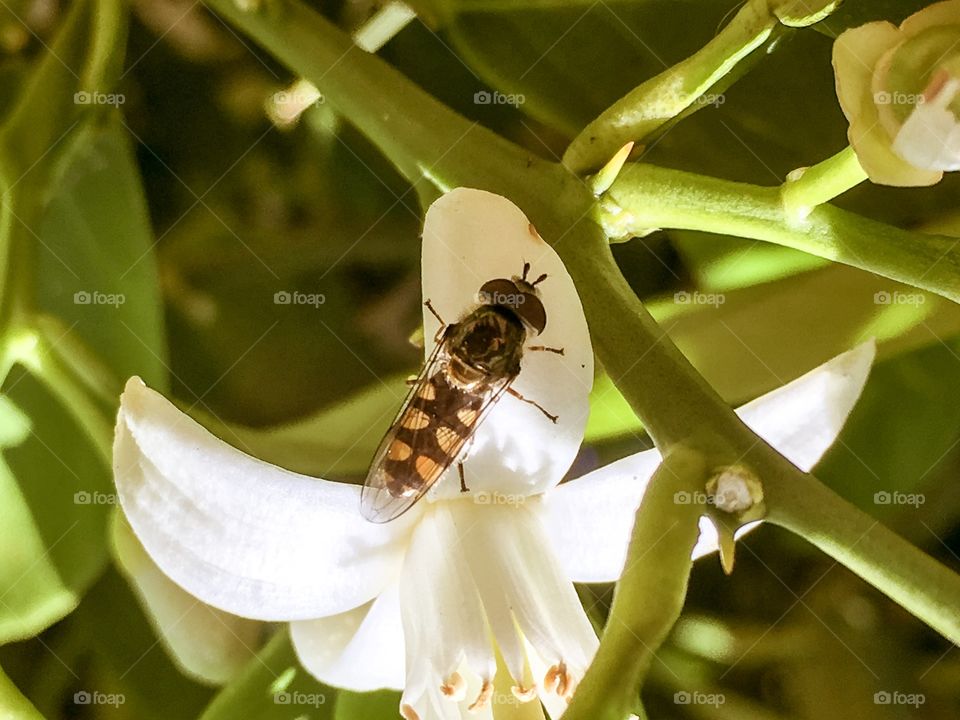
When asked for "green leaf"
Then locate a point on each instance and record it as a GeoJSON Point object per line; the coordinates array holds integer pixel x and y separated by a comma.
{"type": "Point", "coordinates": [367, 706]}
{"type": "Point", "coordinates": [273, 685]}
{"type": "Point", "coordinates": [97, 273]}
{"type": "Point", "coordinates": [900, 436]}
{"type": "Point", "coordinates": [55, 493]}
{"type": "Point", "coordinates": [335, 442]}
{"type": "Point", "coordinates": [132, 662]}
{"type": "Point", "coordinates": [13, 705]}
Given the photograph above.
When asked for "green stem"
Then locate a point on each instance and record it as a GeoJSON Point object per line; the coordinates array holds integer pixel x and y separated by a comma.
{"type": "Point", "coordinates": [383, 26]}
{"type": "Point", "coordinates": [648, 106]}
{"type": "Point", "coordinates": [645, 197]}
{"type": "Point", "coordinates": [431, 145]}
{"type": "Point", "coordinates": [670, 397]}
{"type": "Point", "coordinates": [809, 187]}
{"type": "Point", "coordinates": [650, 592]}
{"type": "Point", "coordinates": [911, 578]}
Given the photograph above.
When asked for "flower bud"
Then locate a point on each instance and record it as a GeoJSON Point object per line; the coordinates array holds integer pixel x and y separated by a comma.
{"type": "Point", "coordinates": [900, 90]}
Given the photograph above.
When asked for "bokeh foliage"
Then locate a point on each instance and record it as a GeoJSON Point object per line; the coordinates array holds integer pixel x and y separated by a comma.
{"type": "Point", "coordinates": [190, 203]}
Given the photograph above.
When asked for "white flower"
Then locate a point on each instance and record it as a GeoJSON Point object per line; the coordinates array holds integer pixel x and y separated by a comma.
{"type": "Point", "coordinates": [418, 603]}
{"type": "Point", "coordinates": [898, 87]}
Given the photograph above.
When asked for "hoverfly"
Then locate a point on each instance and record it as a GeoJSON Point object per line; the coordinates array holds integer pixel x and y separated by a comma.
{"type": "Point", "coordinates": [474, 362]}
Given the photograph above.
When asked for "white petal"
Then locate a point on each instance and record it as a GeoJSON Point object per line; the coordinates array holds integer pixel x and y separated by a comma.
{"type": "Point", "coordinates": [930, 138]}
{"type": "Point", "coordinates": [470, 237]}
{"type": "Point", "coordinates": [590, 519]}
{"type": "Point", "coordinates": [360, 650]}
{"type": "Point", "coordinates": [802, 418]}
{"type": "Point", "coordinates": [208, 644]}
{"type": "Point", "coordinates": [514, 566]}
{"type": "Point", "coordinates": [443, 620]}
{"type": "Point", "coordinates": [240, 534]}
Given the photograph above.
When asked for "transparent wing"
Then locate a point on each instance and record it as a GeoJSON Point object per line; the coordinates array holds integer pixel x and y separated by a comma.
{"type": "Point", "coordinates": [429, 433]}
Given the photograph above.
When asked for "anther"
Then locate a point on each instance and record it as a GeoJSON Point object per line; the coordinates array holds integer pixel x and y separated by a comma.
{"type": "Point", "coordinates": [558, 680]}
{"type": "Point", "coordinates": [454, 687]}
{"type": "Point", "coordinates": [524, 694]}
{"type": "Point", "coordinates": [483, 699]}
{"type": "Point", "coordinates": [408, 713]}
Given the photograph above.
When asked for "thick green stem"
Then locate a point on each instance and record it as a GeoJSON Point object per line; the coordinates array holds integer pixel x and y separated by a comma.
{"type": "Point", "coordinates": [809, 187]}
{"type": "Point", "coordinates": [650, 593]}
{"type": "Point", "coordinates": [645, 197]}
{"type": "Point", "coordinates": [431, 145]}
{"type": "Point", "coordinates": [911, 578]}
{"type": "Point", "coordinates": [670, 397]}
{"type": "Point", "coordinates": [662, 97]}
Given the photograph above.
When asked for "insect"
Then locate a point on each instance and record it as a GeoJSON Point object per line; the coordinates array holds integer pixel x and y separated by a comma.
{"type": "Point", "coordinates": [474, 363]}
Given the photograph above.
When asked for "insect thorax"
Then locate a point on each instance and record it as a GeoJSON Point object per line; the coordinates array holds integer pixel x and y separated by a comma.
{"type": "Point", "coordinates": [488, 342]}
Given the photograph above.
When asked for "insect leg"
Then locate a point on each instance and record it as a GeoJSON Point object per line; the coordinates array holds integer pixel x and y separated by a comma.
{"type": "Point", "coordinates": [429, 306]}
{"type": "Point", "coordinates": [544, 348]}
{"type": "Point", "coordinates": [518, 396]}
{"type": "Point", "coordinates": [443, 325]}
{"type": "Point", "coordinates": [463, 482]}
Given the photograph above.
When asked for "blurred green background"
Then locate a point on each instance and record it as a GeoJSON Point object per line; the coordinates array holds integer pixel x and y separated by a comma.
{"type": "Point", "coordinates": [190, 202]}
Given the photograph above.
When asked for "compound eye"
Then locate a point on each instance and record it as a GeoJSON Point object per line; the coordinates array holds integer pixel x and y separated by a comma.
{"type": "Point", "coordinates": [495, 292]}
{"type": "Point", "coordinates": [532, 312]}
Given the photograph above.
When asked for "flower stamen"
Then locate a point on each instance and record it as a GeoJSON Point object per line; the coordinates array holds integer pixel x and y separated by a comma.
{"type": "Point", "coordinates": [454, 687]}
{"type": "Point", "coordinates": [558, 680]}
{"type": "Point", "coordinates": [524, 694]}
{"type": "Point", "coordinates": [483, 699]}
{"type": "Point", "coordinates": [408, 713]}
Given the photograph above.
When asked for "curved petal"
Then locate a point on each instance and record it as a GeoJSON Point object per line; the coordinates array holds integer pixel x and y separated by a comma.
{"type": "Point", "coordinates": [448, 648]}
{"type": "Point", "coordinates": [207, 644]}
{"type": "Point", "coordinates": [470, 237]}
{"type": "Point", "coordinates": [360, 650]}
{"type": "Point", "coordinates": [240, 534]}
{"type": "Point", "coordinates": [590, 519]}
{"type": "Point", "coordinates": [856, 55]}
{"type": "Point", "coordinates": [519, 576]}
{"type": "Point", "coordinates": [941, 13]}
{"type": "Point", "coordinates": [930, 137]}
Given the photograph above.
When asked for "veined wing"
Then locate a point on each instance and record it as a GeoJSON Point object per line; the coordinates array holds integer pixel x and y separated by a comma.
{"type": "Point", "coordinates": [433, 426]}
